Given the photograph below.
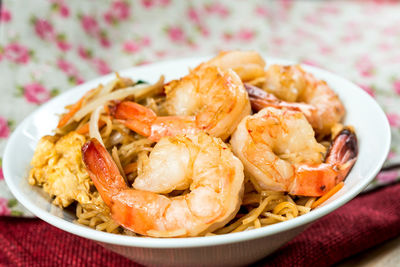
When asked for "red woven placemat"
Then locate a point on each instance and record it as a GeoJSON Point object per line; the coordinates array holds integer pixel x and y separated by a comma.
{"type": "Point", "coordinates": [364, 222]}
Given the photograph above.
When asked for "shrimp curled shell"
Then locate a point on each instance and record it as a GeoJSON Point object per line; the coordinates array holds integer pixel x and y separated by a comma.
{"type": "Point", "coordinates": [200, 163]}
{"type": "Point", "coordinates": [208, 99]}
{"type": "Point", "coordinates": [297, 89]}
{"type": "Point", "coordinates": [279, 152]}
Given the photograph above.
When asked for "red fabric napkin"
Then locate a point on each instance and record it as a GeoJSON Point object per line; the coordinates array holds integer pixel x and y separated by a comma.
{"type": "Point", "coordinates": [364, 222]}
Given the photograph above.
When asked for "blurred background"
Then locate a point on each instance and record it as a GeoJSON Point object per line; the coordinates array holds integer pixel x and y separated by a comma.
{"type": "Point", "coordinates": [50, 46]}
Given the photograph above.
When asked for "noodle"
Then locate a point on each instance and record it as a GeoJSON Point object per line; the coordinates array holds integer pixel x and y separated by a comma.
{"type": "Point", "coordinates": [114, 154]}
{"type": "Point", "coordinates": [108, 128]}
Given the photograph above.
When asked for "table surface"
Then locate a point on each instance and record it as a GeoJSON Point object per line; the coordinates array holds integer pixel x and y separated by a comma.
{"type": "Point", "coordinates": [386, 254]}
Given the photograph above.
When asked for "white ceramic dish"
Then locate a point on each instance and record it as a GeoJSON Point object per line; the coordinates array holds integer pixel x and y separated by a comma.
{"type": "Point", "coordinates": [242, 248]}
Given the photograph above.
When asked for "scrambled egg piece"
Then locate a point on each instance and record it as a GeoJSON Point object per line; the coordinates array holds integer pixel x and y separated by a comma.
{"type": "Point", "coordinates": [58, 167]}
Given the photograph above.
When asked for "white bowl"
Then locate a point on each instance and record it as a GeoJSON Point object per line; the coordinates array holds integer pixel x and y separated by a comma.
{"type": "Point", "coordinates": [363, 113]}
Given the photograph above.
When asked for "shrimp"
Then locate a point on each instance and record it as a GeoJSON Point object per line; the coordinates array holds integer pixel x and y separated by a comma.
{"type": "Point", "coordinates": [208, 99]}
{"type": "Point", "coordinates": [279, 152]}
{"type": "Point", "coordinates": [249, 65]}
{"type": "Point", "coordinates": [200, 164]}
{"type": "Point", "coordinates": [298, 90]}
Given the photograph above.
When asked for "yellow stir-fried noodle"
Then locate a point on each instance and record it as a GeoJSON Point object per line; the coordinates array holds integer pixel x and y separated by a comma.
{"type": "Point", "coordinates": [90, 117]}
{"type": "Point", "coordinates": [261, 208]}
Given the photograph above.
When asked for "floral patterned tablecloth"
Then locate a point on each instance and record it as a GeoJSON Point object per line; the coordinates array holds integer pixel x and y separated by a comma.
{"type": "Point", "coordinates": [48, 47]}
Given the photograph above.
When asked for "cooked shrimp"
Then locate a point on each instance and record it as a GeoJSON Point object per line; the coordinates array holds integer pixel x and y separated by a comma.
{"type": "Point", "coordinates": [203, 165]}
{"type": "Point", "coordinates": [279, 152]}
{"type": "Point", "coordinates": [207, 99]}
{"type": "Point", "coordinates": [301, 90]}
{"type": "Point", "coordinates": [249, 65]}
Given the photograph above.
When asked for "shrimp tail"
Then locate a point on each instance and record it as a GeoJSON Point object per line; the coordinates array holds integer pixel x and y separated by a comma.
{"type": "Point", "coordinates": [134, 116]}
{"type": "Point", "coordinates": [343, 152]}
{"type": "Point", "coordinates": [313, 181]}
{"type": "Point", "coordinates": [144, 121]}
{"type": "Point", "coordinates": [260, 99]}
{"type": "Point", "coordinates": [102, 170]}
{"type": "Point", "coordinates": [128, 207]}
{"type": "Point", "coordinates": [317, 180]}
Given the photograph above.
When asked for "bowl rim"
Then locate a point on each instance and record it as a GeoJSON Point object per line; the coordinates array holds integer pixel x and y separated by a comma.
{"type": "Point", "coordinates": [187, 242]}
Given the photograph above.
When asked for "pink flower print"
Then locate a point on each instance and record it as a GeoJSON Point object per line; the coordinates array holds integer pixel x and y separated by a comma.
{"type": "Point", "coordinates": [313, 18]}
{"type": "Point", "coordinates": [101, 66]}
{"type": "Point", "coordinates": [44, 29]}
{"type": "Point", "coordinates": [394, 119]}
{"type": "Point", "coordinates": [146, 41]}
{"type": "Point", "coordinates": [384, 46]}
{"type": "Point", "coordinates": [329, 9]}
{"type": "Point", "coordinates": [304, 34]}
{"type": "Point", "coordinates": [4, 128]}
{"type": "Point", "coordinates": [1, 173]}
{"type": "Point", "coordinates": [392, 29]}
{"type": "Point", "coordinates": [66, 67]}
{"type": "Point", "coordinates": [131, 46]}
{"type": "Point", "coordinates": [164, 2]}
{"type": "Point", "coordinates": [325, 49]}
{"type": "Point", "coordinates": [217, 8]}
{"type": "Point", "coordinates": [193, 45]}
{"type": "Point", "coordinates": [36, 93]}
{"type": "Point", "coordinates": [5, 15]}
{"type": "Point", "coordinates": [175, 33]}
{"type": "Point", "coordinates": [70, 70]}
{"type": "Point", "coordinates": [310, 62]}
{"type": "Point", "coordinates": [194, 15]}
{"type": "Point", "coordinates": [17, 53]}
{"type": "Point", "coordinates": [109, 18]}
{"type": "Point", "coordinates": [161, 53]}
{"type": "Point", "coordinates": [227, 36]}
{"type": "Point", "coordinates": [204, 30]}
{"type": "Point", "coordinates": [286, 4]}
{"type": "Point", "coordinates": [4, 210]}
{"type": "Point", "coordinates": [62, 43]}
{"type": "Point", "coordinates": [352, 36]}
{"type": "Point", "coordinates": [391, 155]}
{"type": "Point", "coordinates": [364, 66]}
{"type": "Point", "coordinates": [278, 41]}
{"type": "Point", "coordinates": [119, 10]}
{"type": "Point", "coordinates": [84, 53]}
{"type": "Point", "coordinates": [367, 89]}
{"type": "Point", "coordinates": [378, 2]}
{"type": "Point", "coordinates": [105, 42]}
{"type": "Point", "coordinates": [396, 86]}
{"type": "Point", "coordinates": [245, 35]}
{"type": "Point", "coordinates": [64, 10]}
{"type": "Point", "coordinates": [388, 176]}
{"type": "Point", "coordinates": [90, 25]}
{"type": "Point", "coordinates": [61, 7]}
{"type": "Point", "coordinates": [262, 11]}
{"type": "Point", "coordinates": [148, 3]}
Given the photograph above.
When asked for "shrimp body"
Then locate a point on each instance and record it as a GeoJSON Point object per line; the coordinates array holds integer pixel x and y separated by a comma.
{"type": "Point", "coordinates": [297, 89]}
{"type": "Point", "coordinates": [208, 99]}
{"type": "Point", "coordinates": [279, 152]}
{"type": "Point", "coordinates": [249, 65]}
{"type": "Point", "coordinates": [200, 164]}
